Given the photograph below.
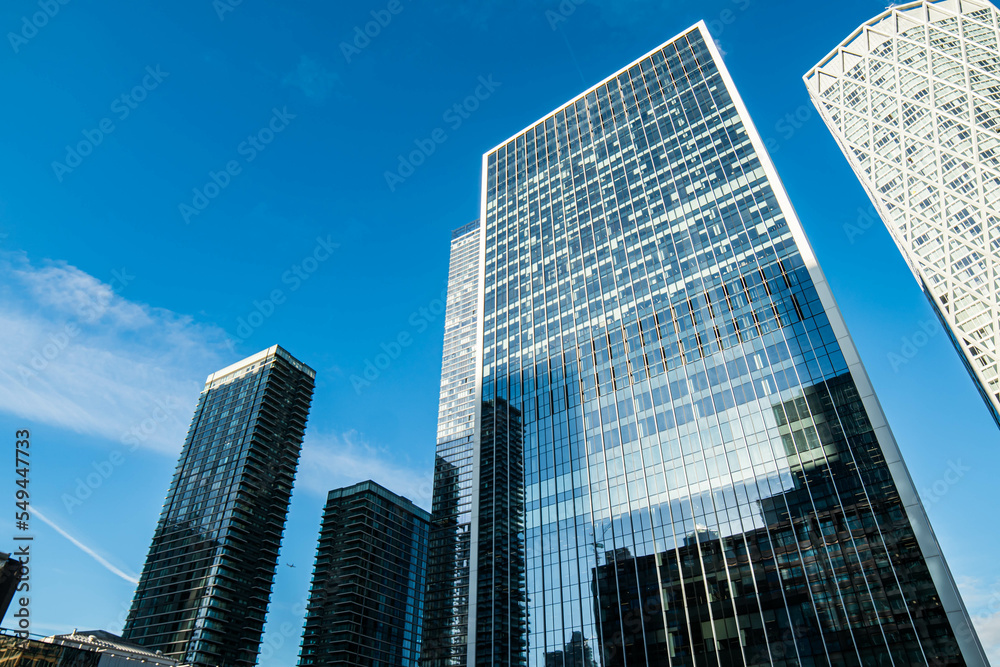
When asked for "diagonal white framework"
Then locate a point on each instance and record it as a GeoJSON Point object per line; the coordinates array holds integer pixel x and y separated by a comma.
{"type": "Point", "coordinates": [913, 99]}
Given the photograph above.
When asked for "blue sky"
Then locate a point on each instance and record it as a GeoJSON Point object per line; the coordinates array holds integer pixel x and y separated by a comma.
{"type": "Point", "coordinates": [119, 300]}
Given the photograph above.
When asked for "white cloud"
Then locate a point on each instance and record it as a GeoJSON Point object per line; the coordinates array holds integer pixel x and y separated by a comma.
{"type": "Point", "coordinates": [977, 594]}
{"type": "Point", "coordinates": [983, 602]}
{"type": "Point", "coordinates": [988, 629]}
{"type": "Point", "coordinates": [80, 356]}
{"type": "Point", "coordinates": [330, 462]}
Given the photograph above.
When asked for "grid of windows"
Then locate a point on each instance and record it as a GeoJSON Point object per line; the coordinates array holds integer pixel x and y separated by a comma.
{"type": "Point", "coordinates": [446, 622]}
{"type": "Point", "coordinates": [366, 601]}
{"type": "Point", "coordinates": [457, 407]}
{"type": "Point", "coordinates": [913, 99]}
{"type": "Point", "coordinates": [676, 464]}
{"type": "Point", "coordinates": [203, 594]}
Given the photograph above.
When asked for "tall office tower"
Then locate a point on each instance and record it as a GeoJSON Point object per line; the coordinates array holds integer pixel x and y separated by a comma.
{"type": "Point", "coordinates": [680, 457]}
{"type": "Point", "coordinates": [206, 585]}
{"type": "Point", "coordinates": [913, 99]}
{"type": "Point", "coordinates": [446, 605]}
{"type": "Point", "coordinates": [366, 602]}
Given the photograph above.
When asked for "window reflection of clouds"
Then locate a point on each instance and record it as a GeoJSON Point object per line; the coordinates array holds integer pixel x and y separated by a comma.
{"type": "Point", "coordinates": [687, 412]}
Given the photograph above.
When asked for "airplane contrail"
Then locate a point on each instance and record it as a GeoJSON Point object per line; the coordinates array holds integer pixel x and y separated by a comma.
{"type": "Point", "coordinates": [131, 578]}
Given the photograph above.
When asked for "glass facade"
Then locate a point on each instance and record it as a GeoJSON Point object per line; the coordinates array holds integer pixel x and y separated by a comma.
{"type": "Point", "coordinates": [680, 460]}
{"type": "Point", "coordinates": [206, 585]}
{"type": "Point", "coordinates": [90, 648]}
{"type": "Point", "coordinates": [446, 620]}
{"type": "Point", "coordinates": [913, 99]}
{"type": "Point", "coordinates": [366, 601]}
{"type": "Point", "coordinates": [15, 652]}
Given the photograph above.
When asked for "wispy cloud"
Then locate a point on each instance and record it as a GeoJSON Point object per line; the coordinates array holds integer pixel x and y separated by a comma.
{"type": "Point", "coordinates": [110, 567]}
{"type": "Point", "coordinates": [331, 461]}
{"type": "Point", "coordinates": [314, 80]}
{"type": "Point", "coordinates": [988, 628]}
{"type": "Point", "coordinates": [983, 602]}
{"type": "Point", "coordinates": [78, 355]}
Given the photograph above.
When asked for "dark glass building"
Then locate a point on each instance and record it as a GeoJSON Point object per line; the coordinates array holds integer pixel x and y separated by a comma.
{"type": "Point", "coordinates": [446, 619]}
{"type": "Point", "coordinates": [680, 459]}
{"type": "Point", "coordinates": [11, 571]}
{"type": "Point", "coordinates": [366, 601]}
{"type": "Point", "coordinates": [206, 585]}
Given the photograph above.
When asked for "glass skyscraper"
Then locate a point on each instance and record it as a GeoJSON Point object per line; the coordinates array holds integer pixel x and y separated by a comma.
{"type": "Point", "coordinates": [679, 456]}
{"type": "Point", "coordinates": [913, 99]}
{"type": "Point", "coordinates": [366, 601]}
{"type": "Point", "coordinates": [447, 600]}
{"type": "Point", "coordinates": [206, 585]}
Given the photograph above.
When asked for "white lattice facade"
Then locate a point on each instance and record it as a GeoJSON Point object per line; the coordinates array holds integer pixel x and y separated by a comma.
{"type": "Point", "coordinates": [913, 99]}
